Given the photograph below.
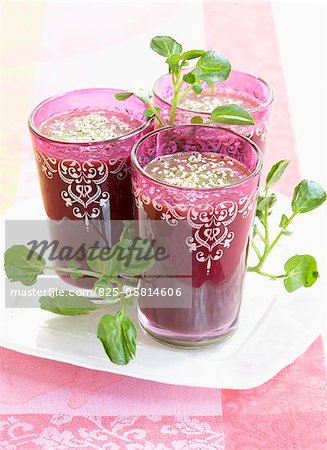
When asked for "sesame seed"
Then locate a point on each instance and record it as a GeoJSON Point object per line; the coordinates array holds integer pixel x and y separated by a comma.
{"type": "Point", "coordinates": [197, 170]}
{"type": "Point", "coordinates": [88, 126]}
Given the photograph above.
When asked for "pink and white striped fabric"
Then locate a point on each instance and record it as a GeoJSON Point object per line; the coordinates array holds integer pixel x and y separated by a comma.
{"type": "Point", "coordinates": [50, 405]}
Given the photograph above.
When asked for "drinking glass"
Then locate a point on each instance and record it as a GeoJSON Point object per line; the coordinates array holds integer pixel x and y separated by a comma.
{"type": "Point", "coordinates": [237, 83]}
{"type": "Point", "coordinates": [219, 221]}
{"type": "Point", "coordinates": [86, 182]}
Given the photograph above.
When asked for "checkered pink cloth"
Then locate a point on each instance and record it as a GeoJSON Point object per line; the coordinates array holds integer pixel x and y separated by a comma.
{"type": "Point", "coordinates": [51, 405]}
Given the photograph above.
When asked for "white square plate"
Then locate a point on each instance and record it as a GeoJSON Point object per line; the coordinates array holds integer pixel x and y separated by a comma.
{"type": "Point", "coordinates": [274, 329]}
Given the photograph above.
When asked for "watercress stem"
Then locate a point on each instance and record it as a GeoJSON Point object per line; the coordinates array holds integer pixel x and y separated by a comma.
{"type": "Point", "coordinates": [156, 114]}
{"type": "Point", "coordinates": [269, 275]}
{"type": "Point", "coordinates": [261, 236]}
{"type": "Point", "coordinates": [255, 248]}
{"type": "Point", "coordinates": [274, 242]}
{"type": "Point", "coordinates": [183, 94]}
{"type": "Point", "coordinates": [266, 241]}
{"type": "Point", "coordinates": [177, 87]}
{"type": "Point", "coordinates": [68, 270]}
{"type": "Point", "coordinates": [268, 246]}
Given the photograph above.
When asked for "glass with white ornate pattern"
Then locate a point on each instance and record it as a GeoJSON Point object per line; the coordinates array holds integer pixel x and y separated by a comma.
{"type": "Point", "coordinates": [82, 143]}
{"type": "Point", "coordinates": [207, 176]}
{"type": "Point", "coordinates": [243, 89]}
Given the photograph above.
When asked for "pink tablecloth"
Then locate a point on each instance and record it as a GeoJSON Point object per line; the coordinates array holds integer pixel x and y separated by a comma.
{"type": "Point", "coordinates": [51, 405]}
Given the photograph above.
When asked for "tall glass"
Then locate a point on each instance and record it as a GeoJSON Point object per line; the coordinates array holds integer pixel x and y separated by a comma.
{"type": "Point", "coordinates": [88, 182]}
{"type": "Point", "coordinates": [253, 93]}
{"type": "Point", "coordinates": [219, 222]}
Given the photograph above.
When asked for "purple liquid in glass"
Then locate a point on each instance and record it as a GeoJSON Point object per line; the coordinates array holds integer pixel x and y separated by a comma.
{"type": "Point", "coordinates": [82, 142]}
{"type": "Point", "coordinates": [246, 90]}
{"type": "Point", "coordinates": [220, 220]}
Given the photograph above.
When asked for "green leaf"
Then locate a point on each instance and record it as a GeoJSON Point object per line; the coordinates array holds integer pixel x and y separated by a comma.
{"type": "Point", "coordinates": [118, 336]}
{"type": "Point", "coordinates": [232, 115]}
{"type": "Point", "coordinates": [124, 243]}
{"type": "Point", "coordinates": [283, 221]}
{"type": "Point", "coordinates": [192, 54]}
{"type": "Point", "coordinates": [286, 232]}
{"type": "Point", "coordinates": [301, 271]}
{"type": "Point", "coordinates": [259, 213]}
{"type": "Point", "coordinates": [276, 172]}
{"type": "Point", "coordinates": [267, 203]}
{"type": "Point", "coordinates": [197, 88]}
{"type": "Point", "coordinates": [211, 86]}
{"type": "Point", "coordinates": [22, 264]}
{"type": "Point", "coordinates": [189, 77]}
{"type": "Point", "coordinates": [196, 119]}
{"type": "Point", "coordinates": [144, 96]}
{"type": "Point", "coordinates": [128, 231]}
{"type": "Point", "coordinates": [76, 275]}
{"type": "Point", "coordinates": [129, 301]}
{"type": "Point", "coordinates": [68, 304]}
{"type": "Point", "coordinates": [165, 46]}
{"type": "Point", "coordinates": [73, 264]}
{"type": "Point", "coordinates": [105, 289]}
{"type": "Point", "coordinates": [260, 216]}
{"type": "Point", "coordinates": [308, 195]}
{"type": "Point", "coordinates": [212, 67]}
{"type": "Point", "coordinates": [103, 261]}
{"type": "Point", "coordinates": [95, 261]}
{"type": "Point", "coordinates": [123, 95]}
{"type": "Point", "coordinates": [172, 62]}
{"type": "Point", "coordinates": [130, 257]}
{"type": "Point", "coordinates": [140, 258]}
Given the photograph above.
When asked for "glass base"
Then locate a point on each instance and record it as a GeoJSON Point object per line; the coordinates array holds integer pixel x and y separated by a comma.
{"type": "Point", "coordinates": [189, 344]}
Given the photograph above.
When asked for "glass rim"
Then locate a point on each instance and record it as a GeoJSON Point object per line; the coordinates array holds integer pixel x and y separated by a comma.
{"type": "Point", "coordinates": [253, 173]}
{"type": "Point", "coordinates": [34, 130]}
{"type": "Point", "coordinates": [260, 107]}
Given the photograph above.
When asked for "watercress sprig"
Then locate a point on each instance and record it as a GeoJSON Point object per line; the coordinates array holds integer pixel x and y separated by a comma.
{"type": "Point", "coordinates": [210, 67]}
{"type": "Point", "coordinates": [299, 270]}
{"type": "Point", "coordinates": [110, 271]}
{"type": "Point", "coordinates": [227, 114]}
{"type": "Point", "coordinates": [146, 98]}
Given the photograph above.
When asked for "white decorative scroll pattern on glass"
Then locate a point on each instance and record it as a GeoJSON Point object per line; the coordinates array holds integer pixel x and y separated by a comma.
{"type": "Point", "coordinates": [46, 164]}
{"type": "Point", "coordinates": [83, 192]}
{"type": "Point", "coordinates": [260, 130]}
{"type": "Point", "coordinates": [83, 179]}
{"type": "Point", "coordinates": [119, 167]}
{"type": "Point", "coordinates": [210, 223]}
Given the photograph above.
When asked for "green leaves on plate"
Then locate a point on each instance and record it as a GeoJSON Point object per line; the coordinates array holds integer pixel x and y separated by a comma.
{"type": "Point", "coordinates": [22, 264]}
{"type": "Point", "coordinates": [118, 336]}
{"type": "Point", "coordinates": [266, 203]}
{"type": "Point", "coordinates": [276, 172]}
{"type": "Point", "coordinates": [67, 304]}
{"type": "Point", "coordinates": [308, 195]}
{"type": "Point", "coordinates": [301, 271]}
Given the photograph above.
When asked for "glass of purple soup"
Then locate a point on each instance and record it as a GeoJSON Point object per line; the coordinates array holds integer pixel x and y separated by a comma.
{"type": "Point", "coordinates": [241, 88]}
{"type": "Point", "coordinates": [82, 143]}
{"type": "Point", "coordinates": [208, 177]}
